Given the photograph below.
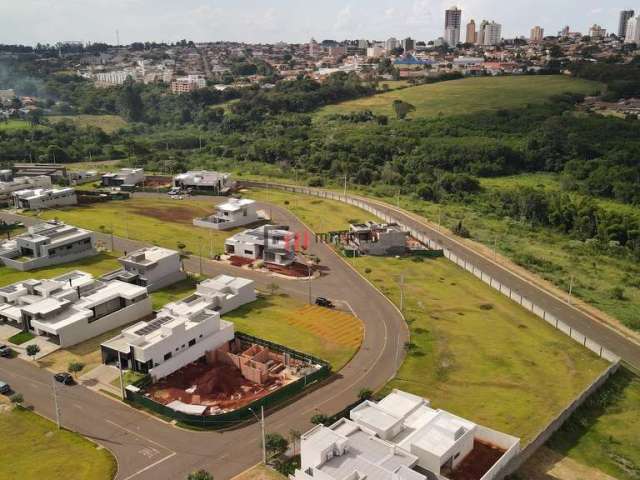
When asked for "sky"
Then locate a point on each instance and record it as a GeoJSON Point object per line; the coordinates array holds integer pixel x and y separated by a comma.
{"type": "Point", "coordinates": [48, 21]}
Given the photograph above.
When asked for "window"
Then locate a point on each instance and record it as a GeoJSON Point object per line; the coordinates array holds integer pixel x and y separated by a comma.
{"type": "Point", "coordinates": [248, 252]}
{"type": "Point", "coordinates": [107, 308]}
{"type": "Point", "coordinates": [167, 356]}
{"type": "Point", "coordinates": [192, 342]}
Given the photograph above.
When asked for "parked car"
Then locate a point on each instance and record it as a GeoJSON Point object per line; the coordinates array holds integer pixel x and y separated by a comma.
{"type": "Point", "coordinates": [4, 388]}
{"type": "Point", "coordinates": [175, 191]}
{"type": "Point", "coordinates": [5, 351]}
{"type": "Point", "coordinates": [324, 302]}
{"type": "Point", "coordinates": [64, 377]}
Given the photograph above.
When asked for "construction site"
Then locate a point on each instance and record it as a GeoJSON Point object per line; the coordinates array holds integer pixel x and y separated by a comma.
{"type": "Point", "coordinates": [228, 379]}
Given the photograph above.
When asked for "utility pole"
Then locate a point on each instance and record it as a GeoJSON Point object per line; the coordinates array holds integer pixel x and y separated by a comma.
{"type": "Point", "coordinates": [401, 293]}
{"type": "Point", "coordinates": [309, 280]}
{"type": "Point", "coordinates": [439, 217]}
{"type": "Point", "coordinates": [495, 247]}
{"type": "Point", "coordinates": [200, 256]}
{"type": "Point", "coordinates": [570, 290]}
{"type": "Point", "coordinates": [398, 199]}
{"type": "Point", "coordinates": [55, 403]}
{"type": "Point", "coordinates": [345, 185]}
{"type": "Point", "coordinates": [122, 392]}
{"type": "Point", "coordinates": [264, 440]}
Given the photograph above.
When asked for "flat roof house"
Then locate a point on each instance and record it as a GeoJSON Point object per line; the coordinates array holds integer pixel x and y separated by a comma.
{"type": "Point", "coordinates": [23, 183]}
{"type": "Point", "coordinates": [403, 438]}
{"type": "Point", "coordinates": [41, 198]}
{"type": "Point", "coordinates": [183, 331]}
{"type": "Point", "coordinates": [204, 180]}
{"type": "Point", "coordinates": [269, 243]}
{"type": "Point", "coordinates": [124, 178]}
{"type": "Point", "coordinates": [151, 267]}
{"type": "Point", "coordinates": [47, 244]}
{"type": "Point", "coordinates": [73, 307]}
{"type": "Point", "coordinates": [231, 214]}
{"type": "Point", "coordinates": [378, 239]}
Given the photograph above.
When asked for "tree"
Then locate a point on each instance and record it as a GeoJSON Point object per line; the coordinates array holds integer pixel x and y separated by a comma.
{"type": "Point", "coordinates": [75, 367]}
{"type": "Point", "coordinates": [365, 394]}
{"type": "Point", "coordinates": [275, 444]}
{"type": "Point", "coordinates": [319, 419]}
{"type": "Point", "coordinates": [402, 109]}
{"type": "Point", "coordinates": [17, 399]}
{"type": "Point", "coordinates": [273, 287]}
{"type": "Point", "coordinates": [33, 350]}
{"type": "Point", "coordinates": [200, 475]}
{"type": "Point", "coordinates": [295, 439]}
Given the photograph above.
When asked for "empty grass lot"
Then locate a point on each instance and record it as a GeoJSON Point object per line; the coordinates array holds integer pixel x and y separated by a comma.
{"type": "Point", "coordinates": [331, 335]}
{"type": "Point", "coordinates": [468, 95]}
{"type": "Point", "coordinates": [96, 265]}
{"type": "Point", "coordinates": [605, 432]}
{"type": "Point", "coordinates": [34, 449]}
{"type": "Point", "coordinates": [260, 472]}
{"type": "Point", "coordinates": [157, 220]}
{"type": "Point", "coordinates": [478, 354]}
{"type": "Point", "coordinates": [108, 123]}
{"type": "Point", "coordinates": [320, 215]}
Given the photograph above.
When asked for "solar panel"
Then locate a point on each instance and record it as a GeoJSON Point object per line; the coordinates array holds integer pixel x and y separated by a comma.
{"type": "Point", "coordinates": [153, 326]}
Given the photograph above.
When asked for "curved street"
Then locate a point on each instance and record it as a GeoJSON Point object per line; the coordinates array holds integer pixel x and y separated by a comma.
{"type": "Point", "coordinates": [149, 448]}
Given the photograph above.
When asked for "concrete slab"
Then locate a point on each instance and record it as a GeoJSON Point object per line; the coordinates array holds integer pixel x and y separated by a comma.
{"type": "Point", "coordinates": [100, 378]}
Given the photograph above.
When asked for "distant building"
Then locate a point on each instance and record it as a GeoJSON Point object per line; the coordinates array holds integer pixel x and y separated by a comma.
{"type": "Point", "coordinates": [391, 44]}
{"type": "Point", "coordinates": [47, 244]}
{"type": "Point", "coordinates": [402, 438]}
{"type": "Point", "coordinates": [268, 243]}
{"type": "Point", "coordinates": [596, 32]}
{"type": "Point", "coordinates": [363, 44]}
{"type": "Point", "coordinates": [452, 22]}
{"type": "Point", "coordinates": [625, 16]}
{"type": "Point", "coordinates": [188, 84]}
{"type": "Point", "coordinates": [633, 31]}
{"type": "Point", "coordinates": [73, 307]}
{"type": "Point", "coordinates": [125, 177]}
{"type": "Point", "coordinates": [537, 34]}
{"type": "Point", "coordinates": [22, 183]}
{"type": "Point", "coordinates": [490, 33]}
{"type": "Point", "coordinates": [40, 198]}
{"type": "Point", "coordinates": [231, 214]}
{"type": "Point", "coordinates": [56, 172]}
{"type": "Point", "coordinates": [408, 45]}
{"type": "Point", "coordinates": [115, 77]}
{"type": "Point", "coordinates": [376, 51]}
{"type": "Point", "coordinates": [205, 180]}
{"type": "Point", "coordinates": [472, 34]}
{"type": "Point", "coordinates": [378, 239]}
{"type": "Point", "coordinates": [150, 267]}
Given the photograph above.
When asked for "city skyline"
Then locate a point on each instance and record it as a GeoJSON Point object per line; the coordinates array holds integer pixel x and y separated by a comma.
{"type": "Point", "coordinates": [284, 20]}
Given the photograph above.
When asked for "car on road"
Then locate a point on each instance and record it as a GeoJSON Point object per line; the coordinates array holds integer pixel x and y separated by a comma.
{"type": "Point", "coordinates": [324, 302]}
{"type": "Point", "coordinates": [4, 388]}
{"type": "Point", "coordinates": [65, 378]}
{"type": "Point", "coordinates": [5, 351]}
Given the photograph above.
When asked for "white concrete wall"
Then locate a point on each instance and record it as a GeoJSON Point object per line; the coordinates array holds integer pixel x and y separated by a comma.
{"type": "Point", "coordinates": [191, 354]}
{"type": "Point", "coordinates": [79, 332]}
{"type": "Point", "coordinates": [47, 261]}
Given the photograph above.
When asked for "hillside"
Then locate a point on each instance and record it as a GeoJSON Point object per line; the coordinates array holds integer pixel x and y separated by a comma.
{"type": "Point", "coordinates": [468, 95]}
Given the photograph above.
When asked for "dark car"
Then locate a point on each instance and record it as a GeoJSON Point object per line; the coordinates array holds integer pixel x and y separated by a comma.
{"type": "Point", "coordinates": [5, 351]}
{"type": "Point", "coordinates": [324, 302]}
{"type": "Point", "coordinates": [64, 377]}
{"type": "Point", "coordinates": [4, 388]}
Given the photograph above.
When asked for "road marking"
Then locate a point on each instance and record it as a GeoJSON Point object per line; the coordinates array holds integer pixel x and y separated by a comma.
{"type": "Point", "coordinates": [138, 435]}
{"type": "Point", "coordinates": [149, 467]}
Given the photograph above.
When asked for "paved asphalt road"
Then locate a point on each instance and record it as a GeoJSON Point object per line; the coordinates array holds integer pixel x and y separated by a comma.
{"type": "Point", "coordinates": [612, 340]}
{"type": "Point", "coordinates": [148, 448]}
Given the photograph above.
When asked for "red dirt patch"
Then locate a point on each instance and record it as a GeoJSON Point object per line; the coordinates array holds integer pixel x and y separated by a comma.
{"type": "Point", "coordinates": [478, 462]}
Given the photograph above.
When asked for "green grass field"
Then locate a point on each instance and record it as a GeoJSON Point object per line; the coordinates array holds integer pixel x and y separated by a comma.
{"type": "Point", "coordinates": [34, 449]}
{"type": "Point", "coordinates": [468, 95]}
{"type": "Point", "coordinates": [319, 214]}
{"type": "Point", "coordinates": [14, 124]}
{"type": "Point", "coordinates": [605, 432]}
{"type": "Point", "coordinates": [174, 292]}
{"type": "Point", "coordinates": [108, 123]}
{"type": "Point", "coordinates": [478, 354]}
{"type": "Point", "coordinates": [331, 335]}
{"type": "Point", "coordinates": [96, 265]}
{"type": "Point", "coordinates": [156, 220]}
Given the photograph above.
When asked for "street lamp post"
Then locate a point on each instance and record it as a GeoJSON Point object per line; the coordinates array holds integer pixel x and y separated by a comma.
{"type": "Point", "coordinates": [261, 421]}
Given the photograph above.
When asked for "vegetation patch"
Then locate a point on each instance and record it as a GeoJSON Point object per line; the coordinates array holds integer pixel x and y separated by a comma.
{"type": "Point", "coordinates": [106, 123]}
{"type": "Point", "coordinates": [59, 453]}
{"type": "Point", "coordinates": [20, 338]}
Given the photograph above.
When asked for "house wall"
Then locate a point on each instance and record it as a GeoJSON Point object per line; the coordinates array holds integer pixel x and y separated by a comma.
{"type": "Point", "coordinates": [81, 331]}
{"type": "Point", "coordinates": [47, 261]}
{"type": "Point", "coordinates": [231, 302]}
{"type": "Point", "coordinates": [164, 273]}
{"type": "Point", "coordinates": [191, 354]}
{"type": "Point", "coordinates": [502, 440]}
{"type": "Point", "coordinates": [51, 202]}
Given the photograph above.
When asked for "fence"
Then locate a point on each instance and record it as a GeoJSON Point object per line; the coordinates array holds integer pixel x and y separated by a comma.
{"type": "Point", "coordinates": [230, 419]}
{"type": "Point", "coordinates": [449, 254]}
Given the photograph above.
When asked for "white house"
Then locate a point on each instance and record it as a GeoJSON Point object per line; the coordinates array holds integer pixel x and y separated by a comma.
{"type": "Point", "coordinates": [47, 244]}
{"type": "Point", "coordinates": [269, 243]}
{"type": "Point", "coordinates": [72, 308]}
{"type": "Point", "coordinates": [151, 267]}
{"type": "Point", "coordinates": [7, 187]}
{"type": "Point", "coordinates": [182, 332]}
{"type": "Point", "coordinates": [40, 198]}
{"type": "Point", "coordinates": [403, 438]}
{"type": "Point", "coordinates": [231, 214]}
{"type": "Point", "coordinates": [215, 182]}
{"type": "Point", "coordinates": [125, 177]}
